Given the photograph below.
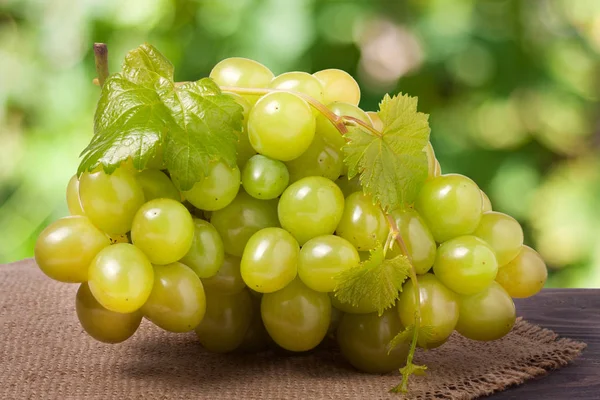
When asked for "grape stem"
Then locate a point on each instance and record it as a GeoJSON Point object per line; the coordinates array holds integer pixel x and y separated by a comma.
{"type": "Point", "coordinates": [101, 58]}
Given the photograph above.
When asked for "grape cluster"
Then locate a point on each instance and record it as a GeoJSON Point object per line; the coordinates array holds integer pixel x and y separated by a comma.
{"type": "Point", "coordinates": [249, 256]}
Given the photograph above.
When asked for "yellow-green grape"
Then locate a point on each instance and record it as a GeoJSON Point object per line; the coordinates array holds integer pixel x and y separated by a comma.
{"type": "Point", "coordinates": [206, 253]}
{"type": "Point", "coordinates": [377, 122]}
{"type": "Point", "coordinates": [417, 238]}
{"type": "Point", "coordinates": [157, 185]}
{"type": "Point", "coordinates": [363, 224]}
{"type": "Point", "coordinates": [121, 278]}
{"type": "Point", "coordinates": [218, 188]}
{"type": "Point", "coordinates": [431, 160]}
{"type": "Point", "coordinates": [503, 233]}
{"type": "Point", "coordinates": [73, 202]}
{"type": "Point", "coordinates": [525, 275]}
{"type": "Point", "coordinates": [164, 230]}
{"type": "Point", "coordinates": [102, 324]}
{"type": "Point", "coordinates": [349, 186]}
{"type": "Point", "coordinates": [364, 339]}
{"type": "Point", "coordinates": [439, 309]}
{"type": "Point", "coordinates": [110, 201]}
{"type": "Point", "coordinates": [487, 204]}
{"type": "Point", "coordinates": [488, 315]}
{"type": "Point", "coordinates": [226, 321]}
{"type": "Point", "coordinates": [242, 72]}
{"type": "Point", "coordinates": [330, 133]}
{"type": "Point", "coordinates": [364, 306]}
{"type": "Point", "coordinates": [338, 85]}
{"type": "Point", "coordinates": [296, 317]}
{"type": "Point", "coordinates": [177, 302]}
{"type": "Point", "coordinates": [299, 82]}
{"type": "Point", "coordinates": [264, 178]}
{"type": "Point", "coordinates": [65, 249]}
{"type": "Point", "coordinates": [228, 279]}
{"type": "Point", "coordinates": [320, 159]}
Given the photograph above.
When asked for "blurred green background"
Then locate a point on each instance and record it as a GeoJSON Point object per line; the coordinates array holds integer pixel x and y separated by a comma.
{"type": "Point", "coordinates": [512, 88]}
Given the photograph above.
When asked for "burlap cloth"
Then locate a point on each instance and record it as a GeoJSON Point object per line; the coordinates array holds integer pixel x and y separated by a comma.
{"type": "Point", "coordinates": [44, 353]}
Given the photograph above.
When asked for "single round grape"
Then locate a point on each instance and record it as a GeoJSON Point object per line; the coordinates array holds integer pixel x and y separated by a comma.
{"type": "Point", "coordinates": [349, 186]}
{"type": "Point", "coordinates": [177, 302]}
{"type": "Point", "coordinates": [157, 185]}
{"type": "Point", "coordinates": [110, 201]}
{"type": "Point", "coordinates": [503, 233]}
{"type": "Point", "coordinates": [466, 264]}
{"type": "Point", "coordinates": [363, 224]}
{"type": "Point", "coordinates": [242, 218]}
{"type": "Point", "coordinates": [270, 260]}
{"type": "Point", "coordinates": [206, 253]}
{"type": "Point", "coordinates": [439, 309]}
{"type": "Point", "coordinates": [65, 249]}
{"type": "Point", "coordinates": [121, 278]}
{"type": "Point", "coordinates": [73, 202]}
{"type": "Point", "coordinates": [102, 324]}
{"type": "Point", "coordinates": [228, 279]}
{"type": "Point", "coordinates": [486, 316]}
{"type": "Point", "coordinates": [417, 238]}
{"type": "Point", "coordinates": [376, 120]}
{"type": "Point", "coordinates": [264, 178]}
{"type": "Point", "coordinates": [323, 258]}
{"type": "Point", "coordinates": [311, 207]}
{"type": "Point", "coordinates": [320, 159]}
{"type": "Point", "coordinates": [364, 306]}
{"type": "Point", "coordinates": [164, 230]}
{"type": "Point", "coordinates": [364, 339]}
{"type": "Point", "coordinates": [242, 72]}
{"type": "Point", "coordinates": [299, 82]}
{"type": "Point", "coordinates": [281, 126]}
{"type": "Point", "coordinates": [525, 275]}
{"type": "Point", "coordinates": [338, 85]}
{"type": "Point", "coordinates": [431, 160]}
{"type": "Point", "coordinates": [296, 317]}
{"type": "Point", "coordinates": [451, 205]}
{"type": "Point", "coordinates": [487, 204]}
{"type": "Point", "coordinates": [226, 321]}
{"type": "Point", "coordinates": [330, 133]}
{"type": "Point", "coordinates": [218, 188]}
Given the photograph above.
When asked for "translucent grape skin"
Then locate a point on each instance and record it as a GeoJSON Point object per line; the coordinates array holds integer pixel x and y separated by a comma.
{"type": "Point", "coordinates": [338, 85]}
{"type": "Point", "coordinates": [102, 324]}
{"type": "Point", "coordinates": [439, 309]}
{"type": "Point", "coordinates": [218, 188]}
{"type": "Point", "coordinates": [525, 275]}
{"type": "Point", "coordinates": [488, 315]}
{"type": "Point", "coordinates": [299, 82]}
{"type": "Point", "coordinates": [466, 264]}
{"type": "Point", "coordinates": [241, 219]}
{"type": "Point", "coordinates": [206, 253]}
{"type": "Point", "coordinates": [363, 224]}
{"type": "Point", "coordinates": [121, 278]}
{"type": "Point", "coordinates": [322, 259]}
{"type": "Point", "coordinates": [451, 206]}
{"type": "Point", "coordinates": [487, 204]}
{"type": "Point", "coordinates": [164, 230]}
{"type": "Point", "coordinates": [177, 302]}
{"type": "Point", "coordinates": [363, 307]}
{"type": "Point", "coordinates": [281, 126]}
{"type": "Point", "coordinates": [65, 249]}
{"type": "Point", "coordinates": [110, 201]}
{"type": "Point", "coordinates": [296, 317]}
{"type": "Point", "coordinates": [270, 260]}
{"type": "Point", "coordinates": [329, 132]}
{"type": "Point", "coordinates": [242, 72]}
{"type": "Point", "coordinates": [73, 202]}
{"type": "Point", "coordinates": [503, 233]}
{"type": "Point", "coordinates": [228, 279]}
{"type": "Point", "coordinates": [310, 207]}
{"type": "Point", "coordinates": [417, 238]}
{"type": "Point", "coordinates": [364, 339]}
{"type": "Point", "coordinates": [156, 185]}
{"type": "Point", "coordinates": [264, 178]}
{"type": "Point", "coordinates": [320, 159]}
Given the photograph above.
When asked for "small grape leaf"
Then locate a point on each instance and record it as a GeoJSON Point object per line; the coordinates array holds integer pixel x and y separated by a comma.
{"type": "Point", "coordinates": [392, 165]}
{"type": "Point", "coordinates": [376, 280]}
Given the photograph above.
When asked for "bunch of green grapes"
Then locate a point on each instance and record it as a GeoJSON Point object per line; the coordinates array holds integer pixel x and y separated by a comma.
{"type": "Point", "coordinates": [249, 256]}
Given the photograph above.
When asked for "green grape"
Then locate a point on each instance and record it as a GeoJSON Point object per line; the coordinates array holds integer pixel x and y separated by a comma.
{"type": "Point", "coordinates": [226, 321]}
{"type": "Point", "coordinates": [218, 188]}
{"type": "Point", "coordinates": [177, 302]}
{"type": "Point", "coordinates": [525, 275]}
{"type": "Point", "coordinates": [338, 85]}
{"type": "Point", "coordinates": [329, 132]}
{"type": "Point", "coordinates": [206, 254]}
{"type": "Point", "coordinates": [228, 279]}
{"type": "Point", "coordinates": [270, 260]}
{"type": "Point", "coordinates": [264, 178]}
{"type": "Point", "coordinates": [121, 278]}
{"type": "Point", "coordinates": [417, 238]}
{"type": "Point", "coordinates": [281, 126]}
{"type": "Point", "coordinates": [364, 339]}
{"type": "Point", "coordinates": [157, 185]}
{"type": "Point", "coordinates": [487, 204]}
{"type": "Point", "coordinates": [110, 201]}
{"type": "Point", "coordinates": [242, 72]}
{"type": "Point", "coordinates": [439, 309]}
{"type": "Point", "coordinates": [486, 316]}
{"type": "Point", "coordinates": [102, 324]}
{"type": "Point", "coordinates": [320, 159]}
{"type": "Point", "coordinates": [364, 306]}
{"type": "Point", "coordinates": [164, 230]}
{"type": "Point", "coordinates": [466, 264]}
{"type": "Point", "coordinates": [299, 82]}
{"type": "Point", "coordinates": [323, 258]}
{"type": "Point", "coordinates": [349, 186]}
{"type": "Point", "coordinates": [243, 218]}
{"type": "Point", "coordinates": [256, 338]}
{"type": "Point", "coordinates": [431, 160]}
{"type": "Point", "coordinates": [73, 202]}
{"type": "Point", "coordinates": [363, 224]}
{"type": "Point", "coordinates": [376, 120]}
{"type": "Point", "coordinates": [503, 233]}
{"type": "Point", "coordinates": [65, 249]}
{"type": "Point", "coordinates": [451, 205]}
{"type": "Point", "coordinates": [296, 317]}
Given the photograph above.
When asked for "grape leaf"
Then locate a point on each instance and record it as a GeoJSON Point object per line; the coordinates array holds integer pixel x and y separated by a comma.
{"type": "Point", "coordinates": [376, 280]}
{"type": "Point", "coordinates": [392, 165]}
